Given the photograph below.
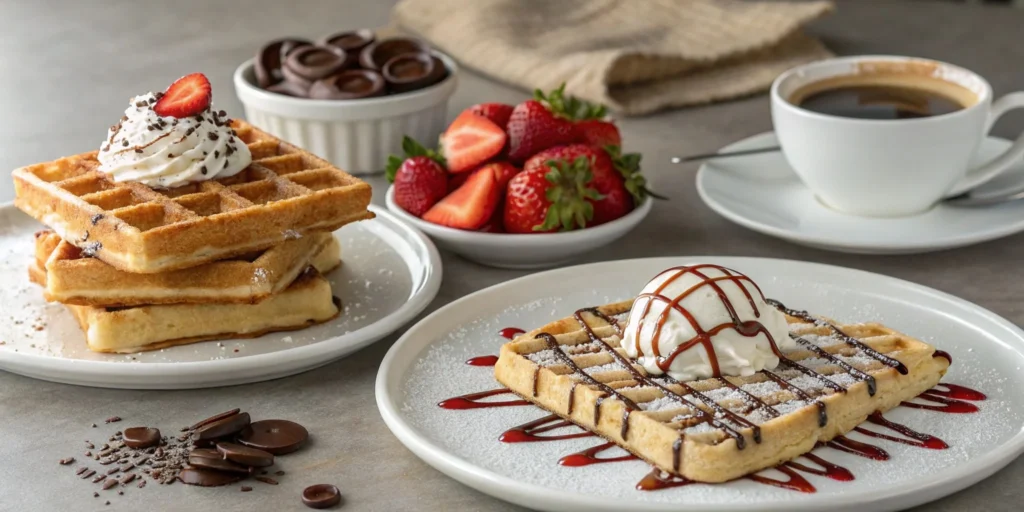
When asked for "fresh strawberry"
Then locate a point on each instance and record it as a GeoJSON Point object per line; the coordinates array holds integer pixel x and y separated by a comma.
{"type": "Point", "coordinates": [471, 205]}
{"type": "Point", "coordinates": [541, 123]}
{"type": "Point", "coordinates": [598, 133]}
{"type": "Point", "coordinates": [420, 179]}
{"type": "Point", "coordinates": [497, 113]}
{"type": "Point", "coordinates": [470, 141]}
{"type": "Point", "coordinates": [503, 172]}
{"type": "Point", "coordinates": [187, 96]}
{"type": "Point", "coordinates": [628, 166]}
{"type": "Point", "coordinates": [551, 193]}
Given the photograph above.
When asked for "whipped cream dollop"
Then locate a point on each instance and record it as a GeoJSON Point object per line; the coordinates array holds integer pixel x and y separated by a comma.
{"type": "Point", "coordinates": [167, 152]}
{"type": "Point", "coordinates": [662, 339]}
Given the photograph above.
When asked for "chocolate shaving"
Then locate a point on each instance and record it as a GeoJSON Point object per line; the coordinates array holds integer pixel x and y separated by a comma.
{"type": "Point", "coordinates": [66, 461]}
{"type": "Point", "coordinates": [109, 484]}
{"type": "Point", "coordinates": [266, 480]}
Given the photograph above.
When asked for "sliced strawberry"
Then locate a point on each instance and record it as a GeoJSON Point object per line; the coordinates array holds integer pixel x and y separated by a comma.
{"type": "Point", "coordinates": [186, 97]}
{"type": "Point", "coordinates": [420, 179]}
{"type": "Point", "coordinates": [503, 172]}
{"type": "Point", "coordinates": [456, 180]}
{"type": "Point", "coordinates": [471, 205]}
{"type": "Point", "coordinates": [470, 141]}
{"type": "Point", "coordinates": [497, 113]}
{"type": "Point", "coordinates": [599, 133]}
{"type": "Point", "coordinates": [494, 224]}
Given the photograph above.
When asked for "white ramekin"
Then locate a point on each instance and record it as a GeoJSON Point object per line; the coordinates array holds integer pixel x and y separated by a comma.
{"type": "Point", "coordinates": [355, 135]}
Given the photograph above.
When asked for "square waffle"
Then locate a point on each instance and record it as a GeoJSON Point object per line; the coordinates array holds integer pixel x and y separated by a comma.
{"type": "Point", "coordinates": [72, 278]}
{"type": "Point", "coordinates": [307, 301]}
{"type": "Point", "coordinates": [718, 429]}
{"type": "Point", "coordinates": [286, 192]}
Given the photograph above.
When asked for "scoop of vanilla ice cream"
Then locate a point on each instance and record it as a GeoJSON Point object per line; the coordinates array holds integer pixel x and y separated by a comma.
{"type": "Point", "coordinates": [739, 350]}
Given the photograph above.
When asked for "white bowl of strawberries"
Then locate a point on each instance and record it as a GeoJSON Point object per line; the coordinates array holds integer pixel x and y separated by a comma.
{"type": "Point", "coordinates": [529, 186]}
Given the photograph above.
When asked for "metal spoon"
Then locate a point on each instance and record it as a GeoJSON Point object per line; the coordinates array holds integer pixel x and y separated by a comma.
{"type": "Point", "coordinates": [965, 199]}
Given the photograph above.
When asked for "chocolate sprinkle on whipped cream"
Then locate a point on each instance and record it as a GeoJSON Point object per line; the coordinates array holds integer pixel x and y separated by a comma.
{"type": "Point", "coordinates": [165, 152]}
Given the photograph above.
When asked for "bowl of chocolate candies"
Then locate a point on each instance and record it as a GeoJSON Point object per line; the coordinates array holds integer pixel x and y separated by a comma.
{"type": "Point", "coordinates": [348, 97]}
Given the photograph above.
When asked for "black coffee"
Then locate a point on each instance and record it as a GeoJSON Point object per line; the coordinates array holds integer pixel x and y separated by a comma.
{"type": "Point", "coordinates": [880, 102]}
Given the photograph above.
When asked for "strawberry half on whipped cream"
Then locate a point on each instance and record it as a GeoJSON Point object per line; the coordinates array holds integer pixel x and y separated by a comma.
{"type": "Point", "coordinates": [173, 138]}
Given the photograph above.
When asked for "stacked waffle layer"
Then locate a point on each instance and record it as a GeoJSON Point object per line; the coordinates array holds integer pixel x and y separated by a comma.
{"type": "Point", "coordinates": [142, 268]}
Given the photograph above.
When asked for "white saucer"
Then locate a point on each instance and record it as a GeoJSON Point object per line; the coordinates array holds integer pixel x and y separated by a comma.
{"type": "Point", "coordinates": [761, 192]}
{"type": "Point", "coordinates": [428, 364]}
{"type": "Point", "coordinates": [390, 273]}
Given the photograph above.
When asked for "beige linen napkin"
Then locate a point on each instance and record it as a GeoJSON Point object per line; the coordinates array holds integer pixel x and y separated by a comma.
{"type": "Point", "coordinates": [636, 56]}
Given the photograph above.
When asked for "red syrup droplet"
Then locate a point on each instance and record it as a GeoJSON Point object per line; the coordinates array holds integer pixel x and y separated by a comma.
{"type": "Point", "coordinates": [657, 480]}
{"type": "Point", "coordinates": [827, 469]}
{"type": "Point", "coordinates": [510, 332]}
{"type": "Point", "coordinates": [796, 482]}
{"type": "Point", "coordinates": [870, 451]}
{"type": "Point", "coordinates": [916, 438]}
{"type": "Point", "coordinates": [472, 400]}
{"type": "Point", "coordinates": [483, 361]}
{"type": "Point", "coordinates": [589, 456]}
{"type": "Point", "coordinates": [946, 405]}
{"type": "Point", "coordinates": [530, 432]}
{"type": "Point", "coordinates": [958, 392]}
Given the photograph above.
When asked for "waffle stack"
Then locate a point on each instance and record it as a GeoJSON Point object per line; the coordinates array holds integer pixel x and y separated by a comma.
{"type": "Point", "coordinates": [143, 268]}
{"type": "Point", "coordinates": [718, 429]}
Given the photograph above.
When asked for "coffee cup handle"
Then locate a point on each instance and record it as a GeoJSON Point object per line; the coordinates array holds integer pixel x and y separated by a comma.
{"type": "Point", "coordinates": [997, 165]}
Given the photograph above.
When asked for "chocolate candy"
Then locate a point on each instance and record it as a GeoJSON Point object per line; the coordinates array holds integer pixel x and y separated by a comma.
{"type": "Point", "coordinates": [207, 478]}
{"type": "Point", "coordinates": [245, 455]}
{"type": "Point", "coordinates": [223, 427]}
{"type": "Point", "coordinates": [379, 53]}
{"type": "Point", "coordinates": [141, 437]}
{"type": "Point", "coordinates": [411, 71]}
{"type": "Point", "coordinates": [215, 417]}
{"type": "Point", "coordinates": [321, 496]}
{"type": "Point", "coordinates": [270, 57]}
{"type": "Point", "coordinates": [275, 436]}
{"type": "Point", "coordinates": [347, 66]}
{"type": "Point", "coordinates": [352, 42]}
{"type": "Point", "coordinates": [349, 85]}
{"type": "Point", "coordinates": [205, 458]}
{"type": "Point", "coordinates": [311, 63]}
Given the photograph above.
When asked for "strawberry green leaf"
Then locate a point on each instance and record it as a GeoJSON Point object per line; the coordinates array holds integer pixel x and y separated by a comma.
{"type": "Point", "coordinates": [391, 170]}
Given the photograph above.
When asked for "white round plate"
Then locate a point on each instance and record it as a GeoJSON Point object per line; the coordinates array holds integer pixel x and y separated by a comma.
{"type": "Point", "coordinates": [762, 192]}
{"type": "Point", "coordinates": [390, 272]}
{"type": "Point", "coordinates": [427, 365]}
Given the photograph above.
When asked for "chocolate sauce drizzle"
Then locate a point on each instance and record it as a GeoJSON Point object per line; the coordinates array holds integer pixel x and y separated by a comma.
{"type": "Point", "coordinates": [849, 340]}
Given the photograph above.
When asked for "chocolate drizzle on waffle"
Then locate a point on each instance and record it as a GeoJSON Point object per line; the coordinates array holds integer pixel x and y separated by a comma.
{"type": "Point", "coordinates": [853, 342]}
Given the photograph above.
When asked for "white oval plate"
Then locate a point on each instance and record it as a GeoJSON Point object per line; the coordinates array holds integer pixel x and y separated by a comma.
{"type": "Point", "coordinates": [427, 365]}
{"type": "Point", "coordinates": [390, 272]}
{"type": "Point", "coordinates": [761, 192]}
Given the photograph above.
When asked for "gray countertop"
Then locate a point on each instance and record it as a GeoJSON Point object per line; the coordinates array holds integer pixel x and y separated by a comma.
{"type": "Point", "coordinates": [70, 66]}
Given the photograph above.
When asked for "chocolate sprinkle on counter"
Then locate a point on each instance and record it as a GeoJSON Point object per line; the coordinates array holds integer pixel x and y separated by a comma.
{"type": "Point", "coordinates": [279, 473]}
{"type": "Point", "coordinates": [81, 470]}
{"type": "Point", "coordinates": [96, 218]}
{"type": "Point", "coordinates": [99, 478]}
{"type": "Point", "coordinates": [109, 484]}
{"type": "Point", "coordinates": [266, 480]}
{"type": "Point", "coordinates": [65, 462]}
{"type": "Point", "coordinates": [95, 495]}
{"type": "Point", "coordinates": [120, 493]}
{"type": "Point", "coordinates": [142, 483]}
{"type": "Point", "coordinates": [112, 419]}
{"type": "Point", "coordinates": [245, 488]}
{"type": "Point", "coordinates": [88, 474]}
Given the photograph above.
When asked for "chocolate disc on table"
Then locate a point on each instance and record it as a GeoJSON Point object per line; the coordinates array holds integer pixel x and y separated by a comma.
{"type": "Point", "coordinates": [321, 496]}
{"type": "Point", "coordinates": [207, 478]}
{"type": "Point", "coordinates": [411, 71]}
{"type": "Point", "coordinates": [141, 437]}
{"type": "Point", "coordinates": [205, 458]}
{"type": "Point", "coordinates": [351, 41]}
{"type": "Point", "coordinates": [245, 455]}
{"type": "Point", "coordinates": [379, 53]}
{"type": "Point", "coordinates": [275, 436]}
{"type": "Point", "coordinates": [269, 58]}
{"type": "Point", "coordinates": [311, 63]}
{"type": "Point", "coordinates": [223, 427]}
{"type": "Point", "coordinates": [349, 85]}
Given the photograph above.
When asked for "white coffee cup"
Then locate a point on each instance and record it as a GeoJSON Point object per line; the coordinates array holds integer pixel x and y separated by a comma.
{"type": "Point", "coordinates": [889, 168]}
